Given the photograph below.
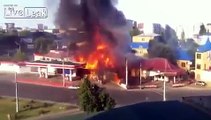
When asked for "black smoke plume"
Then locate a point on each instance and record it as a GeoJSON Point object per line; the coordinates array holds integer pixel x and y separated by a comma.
{"type": "Point", "coordinates": [165, 46]}
{"type": "Point", "coordinates": [90, 16]}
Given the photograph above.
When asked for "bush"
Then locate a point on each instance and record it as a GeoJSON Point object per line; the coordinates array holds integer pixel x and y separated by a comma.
{"type": "Point", "coordinates": [46, 105]}
{"type": "Point", "coordinates": [32, 101]}
{"type": "Point", "coordinates": [41, 112]}
{"type": "Point", "coordinates": [19, 56]}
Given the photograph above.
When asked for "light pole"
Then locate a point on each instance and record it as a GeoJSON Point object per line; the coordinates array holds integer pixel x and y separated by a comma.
{"type": "Point", "coordinates": [126, 72]}
{"type": "Point", "coordinates": [63, 73]}
{"type": "Point", "coordinates": [164, 85]}
{"type": "Point", "coordinates": [164, 89]}
{"type": "Point", "coordinates": [140, 74]}
{"type": "Point", "coordinates": [16, 94]}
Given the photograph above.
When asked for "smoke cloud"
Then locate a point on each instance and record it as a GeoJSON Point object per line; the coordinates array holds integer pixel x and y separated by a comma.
{"type": "Point", "coordinates": [165, 46]}
{"type": "Point", "coordinates": [100, 20]}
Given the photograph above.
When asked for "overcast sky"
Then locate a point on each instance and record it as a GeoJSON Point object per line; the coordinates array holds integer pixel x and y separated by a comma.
{"type": "Point", "coordinates": [161, 11]}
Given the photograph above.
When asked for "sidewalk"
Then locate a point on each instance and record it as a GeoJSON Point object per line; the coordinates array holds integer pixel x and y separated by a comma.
{"type": "Point", "coordinates": [48, 82]}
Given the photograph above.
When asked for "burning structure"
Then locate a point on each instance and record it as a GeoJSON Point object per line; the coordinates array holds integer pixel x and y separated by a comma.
{"type": "Point", "coordinates": [105, 41]}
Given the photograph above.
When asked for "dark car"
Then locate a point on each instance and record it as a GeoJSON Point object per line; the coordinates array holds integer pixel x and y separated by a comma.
{"type": "Point", "coordinates": [200, 83]}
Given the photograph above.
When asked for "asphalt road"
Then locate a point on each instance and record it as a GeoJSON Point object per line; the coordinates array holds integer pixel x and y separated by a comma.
{"type": "Point", "coordinates": [122, 97]}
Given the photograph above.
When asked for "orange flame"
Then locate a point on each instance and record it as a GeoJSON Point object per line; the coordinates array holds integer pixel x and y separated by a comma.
{"type": "Point", "coordinates": [100, 54]}
{"type": "Point", "coordinates": [116, 78]}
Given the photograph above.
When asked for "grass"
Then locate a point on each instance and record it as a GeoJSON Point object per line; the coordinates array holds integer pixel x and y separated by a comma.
{"type": "Point", "coordinates": [29, 108]}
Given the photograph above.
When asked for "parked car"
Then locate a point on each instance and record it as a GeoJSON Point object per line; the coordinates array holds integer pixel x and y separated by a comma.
{"type": "Point", "coordinates": [200, 83]}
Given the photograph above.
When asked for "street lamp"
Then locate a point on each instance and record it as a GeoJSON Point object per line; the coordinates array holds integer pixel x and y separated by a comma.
{"type": "Point", "coordinates": [164, 85]}
{"type": "Point", "coordinates": [140, 74]}
{"type": "Point", "coordinates": [63, 79]}
{"type": "Point", "coordinates": [16, 93]}
{"type": "Point", "coordinates": [164, 89]}
{"type": "Point", "coordinates": [126, 72]}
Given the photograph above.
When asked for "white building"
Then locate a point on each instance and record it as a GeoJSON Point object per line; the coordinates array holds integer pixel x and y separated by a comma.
{"type": "Point", "coordinates": [149, 28]}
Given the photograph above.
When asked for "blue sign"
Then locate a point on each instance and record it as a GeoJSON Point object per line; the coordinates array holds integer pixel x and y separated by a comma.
{"type": "Point", "coordinates": [66, 71]}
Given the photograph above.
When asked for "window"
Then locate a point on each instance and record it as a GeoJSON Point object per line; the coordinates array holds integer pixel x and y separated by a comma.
{"type": "Point", "coordinates": [34, 69]}
{"type": "Point", "coordinates": [198, 66]}
{"type": "Point", "coordinates": [198, 56]}
{"type": "Point", "coordinates": [183, 64]}
{"type": "Point", "coordinates": [204, 66]}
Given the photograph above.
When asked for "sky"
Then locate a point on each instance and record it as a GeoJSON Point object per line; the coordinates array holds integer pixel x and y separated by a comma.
{"type": "Point", "coordinates": [173, 12]}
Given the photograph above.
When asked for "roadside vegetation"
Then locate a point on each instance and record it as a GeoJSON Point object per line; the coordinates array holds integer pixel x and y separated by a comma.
{"type": "Point", "coordinates": [29, 108]}
{"type": "Point", "coordinates": [93, 98]}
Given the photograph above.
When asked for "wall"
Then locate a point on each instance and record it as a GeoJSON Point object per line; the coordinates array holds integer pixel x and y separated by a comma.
{"type": "Point", "coordinates": [186, 64]}
{"type": "Point", "coordinates": [141, 38]}
{"type": "Point", "coordinates": [205, 76]}
{"type": "Point", "coordinates": [10, 67]}
{"type": "Point", "coordinates": [204, 63]}
{"type": "Point", "coordinates": [37, 57]}
{"type": "Point", "coordinates": [141, 52]}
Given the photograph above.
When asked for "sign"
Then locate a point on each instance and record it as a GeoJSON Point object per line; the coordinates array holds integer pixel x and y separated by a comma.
{"type": "Point", "coordinates": [13, 11]}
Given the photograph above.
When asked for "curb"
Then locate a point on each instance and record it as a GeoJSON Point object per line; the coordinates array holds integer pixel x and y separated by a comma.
{"type": "Point", "coordinates": [45, 84]}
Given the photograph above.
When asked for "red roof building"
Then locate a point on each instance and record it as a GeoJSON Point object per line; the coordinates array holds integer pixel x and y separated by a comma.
{"type": "Point", "coordinates": [53, 55]}
{"type": "Point", "coordinates": [161, 65]}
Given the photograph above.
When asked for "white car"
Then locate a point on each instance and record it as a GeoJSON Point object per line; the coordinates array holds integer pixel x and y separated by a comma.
{"type": "Point", "coordinates": [200, 83]}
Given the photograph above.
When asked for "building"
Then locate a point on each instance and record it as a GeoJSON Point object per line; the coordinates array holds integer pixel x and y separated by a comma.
{"type": "Point", "coordinates": [130, 24]}
{"type": "Point", "coordinates": [10, 27]}
{"type": "Point", "coordinates": [40, 27]}
{"type": "Point", "coordinates": [157, 67]}
{"type": "Point", "coordinates": [149, 28]}
{"type": "Point", "coordinates": [168, 110]}
{"type": "Point", "coordinates": [184, 60]}
{"type": "Point", "coordinates": [140, 43]}
{"type": "Point", "coordinates": [53, 55]}
{"type": "Point", "coordinates": [51, 64]}
{"type": "Point", "coordinates": [201, 39]}
{"type": "Point", "coordinates": [202, 60]}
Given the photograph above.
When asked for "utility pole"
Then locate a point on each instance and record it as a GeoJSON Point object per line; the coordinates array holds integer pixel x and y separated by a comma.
{"type": "Point", "coordinates": [126, 72]}
{"type": "Point", "coordinates": [164, 89]}
{"type": "Point", "coordinates": [16, 94]}
{"type": "Point", "coordinates": [63, 73]}
{"type": "Point", "coordinates": [164, 83]}
{"type": "Point", "coordinates": [140, 74]}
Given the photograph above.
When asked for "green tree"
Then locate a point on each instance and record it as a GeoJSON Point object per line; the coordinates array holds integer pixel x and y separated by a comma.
{"type": "Point", "coordinates": [24, 33]}
{"type": "Point", "coordinates": [183, 35]}
{"type": "Point", "coordinates": [202, 30]}
{"type": "Point", "coordinates": [19, 56]}
{"type": "Point", "coordinates": [135, 31]}
{"type": "Point", "coordinates": [93, 98]}
{"type": "Point", "coordinates": [43, 45]}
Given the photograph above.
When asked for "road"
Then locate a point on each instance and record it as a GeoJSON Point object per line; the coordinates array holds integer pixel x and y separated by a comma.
{"type": "Point", "coordinates": [122, 97]}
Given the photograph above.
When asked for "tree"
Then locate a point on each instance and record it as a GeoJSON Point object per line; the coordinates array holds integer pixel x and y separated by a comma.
{"type": "Point", "coordinates": [93, 98]}
{"type": "Point", "coordinates": [43, 45]}
{"type": "Point", "coordinates": [202, 30]}
{"type": "Point", "coordinates": [20, 56]}
{"type": "Point", "coordinates": [24, 33]}
{"type": "Point", "coordinates": [183, 35]}
{"type": "Point", "coordinates": [135, 31]}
